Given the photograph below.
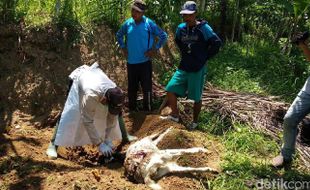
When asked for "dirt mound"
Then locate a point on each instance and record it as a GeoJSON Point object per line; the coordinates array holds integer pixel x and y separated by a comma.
{"type": "Point", "coordinates": [141, 125]}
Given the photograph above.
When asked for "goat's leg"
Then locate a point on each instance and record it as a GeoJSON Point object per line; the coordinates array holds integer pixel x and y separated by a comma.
{"type": "Point", "coordinates": [173, 167]}
{"type": "Point", "coordinates": [151, 183]}
{"type": "Point", "coordinates": [178, 152]}
{"type": "Point", "coordinates": [161, 136]}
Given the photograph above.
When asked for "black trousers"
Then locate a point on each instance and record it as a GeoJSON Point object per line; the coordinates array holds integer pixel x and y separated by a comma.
{"type": "Point", "coordinates": [140, 74]}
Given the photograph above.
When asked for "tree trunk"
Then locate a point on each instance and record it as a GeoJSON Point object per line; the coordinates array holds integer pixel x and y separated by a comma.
{"type": "Point", "coordinates": [202, 5]}
{"type": "Point", "coordinates": [240, 29]}
{"type": "Point", "coordinates": [8, 8]}
{"type": "Point", "coordinates": [57, 7]}
{"type": "Point", "coordinates": [236, 12]}
{"type": "Point", "coordinates": [223, 7]}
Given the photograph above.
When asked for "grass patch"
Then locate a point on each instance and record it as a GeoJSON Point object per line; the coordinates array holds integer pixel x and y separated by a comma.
{"type": "Point", "coordinates": [246, 155]}
{"type": "Point", "coordinates": [258, 68]}
{"type": "Point", "coordinates": [213, 123]}
{"type": "Point", "coordinates": [249, 142]}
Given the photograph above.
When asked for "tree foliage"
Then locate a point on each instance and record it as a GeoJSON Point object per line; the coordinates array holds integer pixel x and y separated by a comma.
{"type": "Point", "coordinates": [232, 19]}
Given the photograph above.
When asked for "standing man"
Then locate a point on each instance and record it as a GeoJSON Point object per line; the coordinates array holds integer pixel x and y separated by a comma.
{"type": "Point", "coordinates": [91, 114]}
{"type": "Point", "coordinates": [138, 46]}
{"type": "Point", "coordinates": [297, 111]}
{"type": "Point", "coordinates": [197, 43]}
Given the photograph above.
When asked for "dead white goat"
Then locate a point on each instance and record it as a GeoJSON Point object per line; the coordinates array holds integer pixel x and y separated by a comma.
{"type": "Point", "coordinates": [145, 163]}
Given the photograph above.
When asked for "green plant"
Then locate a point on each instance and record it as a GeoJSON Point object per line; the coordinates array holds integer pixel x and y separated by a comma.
{"type": "Point", "coordinates": [258, 67]}
{"type": "Point", "coordinates": [245, 156]}
{"type": "Point", "coordinates": [213, 123]}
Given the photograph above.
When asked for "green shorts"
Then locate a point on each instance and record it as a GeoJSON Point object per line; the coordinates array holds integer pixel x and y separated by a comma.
{"type": "Point", "coordinates": [188, 84]}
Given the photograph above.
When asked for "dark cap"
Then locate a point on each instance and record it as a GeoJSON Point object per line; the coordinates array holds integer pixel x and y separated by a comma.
{"type": "Point", "coordinates": [115, 97]}
{"type": "Point", "coordinates": [188, 8]}
{"type": "Point", "coordinates": [139, 5]}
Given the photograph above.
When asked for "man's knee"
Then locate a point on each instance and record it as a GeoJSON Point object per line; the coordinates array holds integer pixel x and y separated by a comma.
{"type": "Point", "coordinates": [290, 120]}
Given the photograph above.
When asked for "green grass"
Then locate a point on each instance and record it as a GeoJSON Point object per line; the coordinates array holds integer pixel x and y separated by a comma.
{"type": "Point", "coordinates": [258, 68]}
{"type": "Point", "coordinates": [246, 155]}
{"type": "Point", "coordinates": [78, 17]}
{"type": "Point", "coordinates": [35, 13]}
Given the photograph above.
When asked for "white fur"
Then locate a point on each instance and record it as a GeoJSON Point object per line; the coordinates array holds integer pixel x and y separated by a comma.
{"type": "Point", "coordinates": [159, 162]}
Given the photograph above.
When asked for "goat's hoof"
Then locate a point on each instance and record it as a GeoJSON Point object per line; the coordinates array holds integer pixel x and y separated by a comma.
{"type": "Point", "coordinates": [215, 172]}
{"type": "Point", "coordinates": [155, 187]}
{"type": "Point", "coordinates": [204, 150]}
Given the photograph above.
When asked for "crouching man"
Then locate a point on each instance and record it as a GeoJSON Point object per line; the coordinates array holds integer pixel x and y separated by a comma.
{"type": "Point", "coordinates": [91, 113]}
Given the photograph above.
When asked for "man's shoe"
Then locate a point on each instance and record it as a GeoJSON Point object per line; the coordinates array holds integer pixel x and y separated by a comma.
{"type": "Point", "coordinates": [170, 117]}
{"type": "Point", "coordinates": [280, 162]}
{"type": "Point", "coordinates": [192, 126]}
{"type": "Point", "coordinates": [51, 151]}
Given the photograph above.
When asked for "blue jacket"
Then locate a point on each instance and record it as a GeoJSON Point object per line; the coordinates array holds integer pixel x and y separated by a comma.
{"type": "Point", "coordinates": [139, 38]}
{"type": "Point", "coordinates": [197, 45]}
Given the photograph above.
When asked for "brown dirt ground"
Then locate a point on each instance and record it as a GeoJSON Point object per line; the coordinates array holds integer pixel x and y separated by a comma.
{"type": "Point", "coordinates": [25, 165]}
{"type": "Point", "coordinates": [34, 65]}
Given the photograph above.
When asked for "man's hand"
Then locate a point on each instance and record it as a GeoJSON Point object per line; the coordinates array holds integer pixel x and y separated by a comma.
{"type": "Point", "coordinates": [105, 149]}
{"type": "Point", "coordinates": [150, 53]}
{"type": "Point", "coordinates": [109, 143]}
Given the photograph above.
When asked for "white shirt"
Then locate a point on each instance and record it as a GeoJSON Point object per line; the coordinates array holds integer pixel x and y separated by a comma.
{"type": "Point", "coordinates": [84, 119]}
